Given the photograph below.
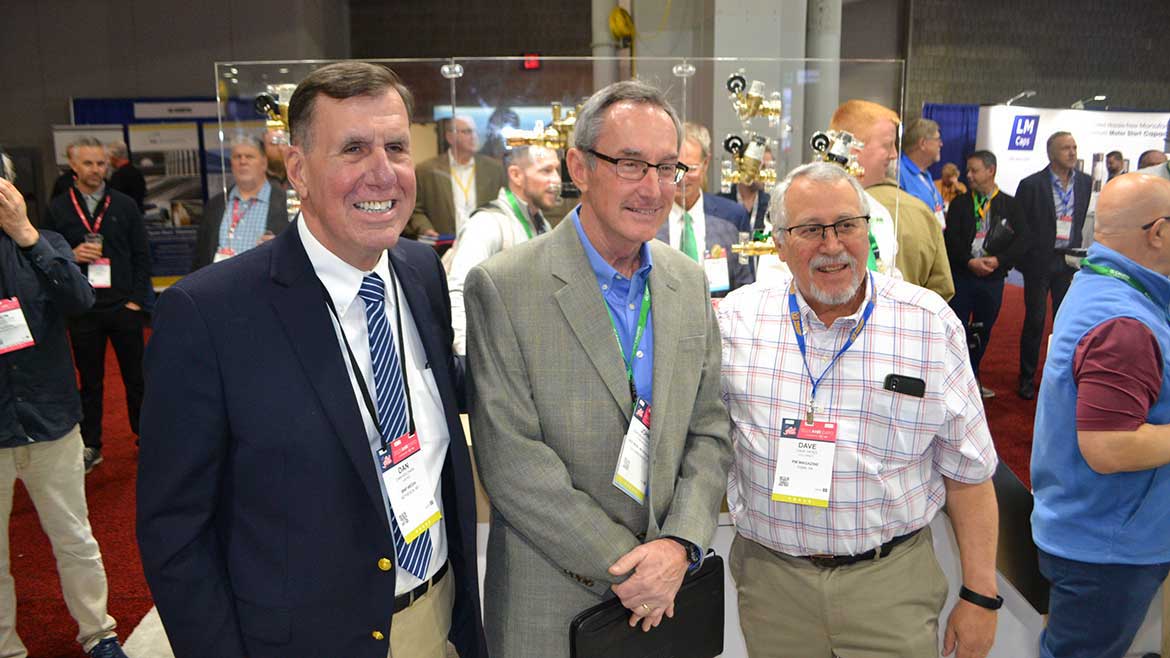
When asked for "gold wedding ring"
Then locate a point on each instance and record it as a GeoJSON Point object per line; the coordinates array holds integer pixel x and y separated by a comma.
{"type": "Point", "coordinates": [648, 608]}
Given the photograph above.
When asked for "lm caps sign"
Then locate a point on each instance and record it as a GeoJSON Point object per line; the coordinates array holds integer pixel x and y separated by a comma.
{"type": "Point", "coordinates": [1023, 136]}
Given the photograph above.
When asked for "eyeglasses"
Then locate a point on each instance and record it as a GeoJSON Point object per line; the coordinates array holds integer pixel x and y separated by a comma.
{"type": "Point", "coordinates": [632, 169]}
{"type": "Point", "coordinates": [1156, 220]}
{"type": "Point", "coordinates": [843, 229]}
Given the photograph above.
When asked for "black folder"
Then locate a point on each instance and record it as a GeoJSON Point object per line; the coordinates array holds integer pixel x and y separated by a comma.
{"type": "Point", "coordinates": [695, 631]}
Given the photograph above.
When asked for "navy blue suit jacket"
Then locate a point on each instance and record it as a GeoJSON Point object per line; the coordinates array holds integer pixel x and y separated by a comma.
{"type": "Point", "coordinates": [260, 519]}
{"type": "Point", "coordinates": [723, 219]}
{"type": "Point", "coordinates": [1034, 195]}
{"type": "Point", "coordinates": [756, 219]}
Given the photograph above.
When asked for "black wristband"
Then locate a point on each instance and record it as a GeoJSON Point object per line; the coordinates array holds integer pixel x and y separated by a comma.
{"type": "Point", "coordinates": [979, 599]}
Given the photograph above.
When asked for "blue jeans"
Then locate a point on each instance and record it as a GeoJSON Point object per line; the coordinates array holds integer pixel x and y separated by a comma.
{"type": "Point", "coordinates": [1095, 610]}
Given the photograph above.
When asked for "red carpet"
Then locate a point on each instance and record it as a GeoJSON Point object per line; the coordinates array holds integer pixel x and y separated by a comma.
{"type": "Point", "coordinates": [1009, 417]}
{"type": "Point", "coordinates": [42, 619]}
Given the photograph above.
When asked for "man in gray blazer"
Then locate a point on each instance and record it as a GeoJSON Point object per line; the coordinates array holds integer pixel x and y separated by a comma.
{"type": "Point", "coordinates": [589, 498]}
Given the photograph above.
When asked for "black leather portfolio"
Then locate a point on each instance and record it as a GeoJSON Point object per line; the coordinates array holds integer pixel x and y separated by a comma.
{"type": "Point", "coordinates": [695, 631]}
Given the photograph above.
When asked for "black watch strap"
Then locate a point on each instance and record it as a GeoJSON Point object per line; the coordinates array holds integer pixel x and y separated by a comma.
{"type": "Point", "coordinates": [979, 599]}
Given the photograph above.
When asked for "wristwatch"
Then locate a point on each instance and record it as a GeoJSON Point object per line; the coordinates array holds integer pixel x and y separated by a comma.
{"type": "Point", "coordinates": [980, 600]}
{"type": "Point", "coordinates": [694, 554]}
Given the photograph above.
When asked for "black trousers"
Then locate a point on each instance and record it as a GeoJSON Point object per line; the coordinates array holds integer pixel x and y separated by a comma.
{"type": "Point", "coordinates": [1050, 277]}
{"type": "Point", "coordinates": [122, 327]}
{"type": "Point", "coordinates": [977, 301]}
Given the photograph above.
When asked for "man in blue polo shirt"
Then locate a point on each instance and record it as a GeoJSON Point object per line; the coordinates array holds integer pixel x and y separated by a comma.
{"type": "Point", "coordinates": [921, 147]}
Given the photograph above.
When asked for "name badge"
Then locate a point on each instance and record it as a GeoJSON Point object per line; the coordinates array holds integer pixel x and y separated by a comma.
{"type": "Point", "coordinates": [223, 253]}
{"type": "Point", "coordinates": [717, 275]}
{"type": "Point", "coordinates": [804, 462]}
{"type": "Point", "coordinates": [633, 466]}
{"type": "Point", "coordinates": [14, 332]}
{"type": "Point", "coordinates": [411, 491]}
{"type": "Point", "coordinates": [977, 245]}
{"type": "Point", "coordinates": [1064, 227]}
{"type": "Point", "coordinates": [99, 273]}
{"type": "Point", "coordinates": [941, 216]}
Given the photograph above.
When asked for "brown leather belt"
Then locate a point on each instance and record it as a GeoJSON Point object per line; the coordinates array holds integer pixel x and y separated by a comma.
{"type": "Point", "coordinates": [404, 601]}
{"type": "Point", "coordinates": [834, 561]}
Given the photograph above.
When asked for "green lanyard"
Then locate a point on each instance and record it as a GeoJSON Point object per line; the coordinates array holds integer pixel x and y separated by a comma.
{"type": "Point", "coordinates": [642, 316]}
{"type": "Point", "coordinates": [1120, 276]}
{"type": "Point", "coordinates": [519, 213]}
{"type": "Point", "coordinates": [982, 206]}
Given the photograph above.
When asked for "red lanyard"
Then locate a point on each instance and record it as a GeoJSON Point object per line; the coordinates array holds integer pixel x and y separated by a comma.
{"type": "Point", "coordinates": [97, 222]}
{"type": "Point", "coordinates": [237, 215]}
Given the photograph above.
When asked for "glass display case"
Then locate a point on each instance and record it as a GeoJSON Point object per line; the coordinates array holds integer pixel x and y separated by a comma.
{"type": "Point", "coordinates": [751, 106]}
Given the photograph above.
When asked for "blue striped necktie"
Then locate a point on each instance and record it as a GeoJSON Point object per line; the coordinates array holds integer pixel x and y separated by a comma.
{"type": "Point", "coordinates": [415, 557]}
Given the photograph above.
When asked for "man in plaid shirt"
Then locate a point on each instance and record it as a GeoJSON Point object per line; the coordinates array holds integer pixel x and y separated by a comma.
{"type": "Point", "coordinates": [855, 417]}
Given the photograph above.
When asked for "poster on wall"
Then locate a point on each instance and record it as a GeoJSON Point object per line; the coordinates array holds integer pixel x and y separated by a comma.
{"type": "Point", "coordinates": [1018, 137]}
{"type": "Point", "coordinates": [168, 156]}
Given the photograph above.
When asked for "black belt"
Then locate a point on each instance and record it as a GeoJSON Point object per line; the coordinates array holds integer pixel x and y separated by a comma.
{"type": "Point", "coordinates": [406, 600]}
{"type": "Point", "coordinates": [833, 561]}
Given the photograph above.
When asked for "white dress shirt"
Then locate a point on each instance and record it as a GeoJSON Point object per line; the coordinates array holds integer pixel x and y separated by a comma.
{"type": "Point", "coordinates": [462, 189]}
{"type": "Point", "coordinates": [698, 223]}
{"type": "Point", "coordinates": [342, 281]}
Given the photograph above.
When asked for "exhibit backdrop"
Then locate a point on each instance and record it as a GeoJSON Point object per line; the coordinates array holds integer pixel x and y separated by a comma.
{"type": "Point", "coordinates": [1018, 136]}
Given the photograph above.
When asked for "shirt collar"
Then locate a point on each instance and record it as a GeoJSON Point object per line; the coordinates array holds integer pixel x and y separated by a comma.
{"type": "Point", "coordinates": [97, 195]}
{"type": "Point", "coordinates": [261, 196]}
{"type": "Point", "coordinates": [909, 165]}
{"type": "Point", "coordinates": [341, 280]}
{"type": "Point", "coordinates": [605, 272]}
{"type": "Point", "coordinates": [455, 165]}
{"type": "Point", "coordinates": [1056, 182]}
{"type": "Point", "coordinates": [696, 211]}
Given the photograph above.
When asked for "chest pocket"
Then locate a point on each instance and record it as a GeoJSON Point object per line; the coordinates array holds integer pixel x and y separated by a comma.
{"type": "Point", "coordinates": [900, 427]}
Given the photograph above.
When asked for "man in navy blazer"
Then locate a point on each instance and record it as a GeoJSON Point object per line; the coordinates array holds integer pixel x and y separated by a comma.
{"type": "Point", "coordinates": [1054, 200]}
{"type": "Point", "coordinates": [713, 220]}
{"type": "Point", "coordinates": [263, 519]}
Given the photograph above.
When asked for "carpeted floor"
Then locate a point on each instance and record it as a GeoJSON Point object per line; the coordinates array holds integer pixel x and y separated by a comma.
{"type": "Point", "coordinates": [47, 629]}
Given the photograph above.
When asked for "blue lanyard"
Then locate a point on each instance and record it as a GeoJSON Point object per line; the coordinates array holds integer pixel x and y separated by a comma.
{"type": "Point", "coordinates": [798, 328]}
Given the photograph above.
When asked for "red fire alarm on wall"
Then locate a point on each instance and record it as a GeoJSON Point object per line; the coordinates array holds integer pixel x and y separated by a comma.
{"type": "Point", "coordinates": [530, 62]}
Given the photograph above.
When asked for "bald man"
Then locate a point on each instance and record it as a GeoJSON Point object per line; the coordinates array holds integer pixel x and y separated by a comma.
{"type": "Point", "coordinates": [1102, 439]}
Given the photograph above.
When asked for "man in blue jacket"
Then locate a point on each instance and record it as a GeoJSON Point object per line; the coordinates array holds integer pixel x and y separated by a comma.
{"type": "Point", "coordinates": [40, 440]}
{"type": "Point", "coordinates": [1101, 447]}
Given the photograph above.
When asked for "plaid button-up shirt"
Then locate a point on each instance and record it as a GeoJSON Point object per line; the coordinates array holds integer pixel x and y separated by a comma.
{"type": "Point", "coordinates": [892, 450]}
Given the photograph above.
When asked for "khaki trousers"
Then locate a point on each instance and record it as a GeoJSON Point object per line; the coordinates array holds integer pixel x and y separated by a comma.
{"type": "Point", "coordinates": [420, 631]}
{"type": "Point", "coordinates": [53, 474]}
{"type": "Point", "coordinates": [889, 607]}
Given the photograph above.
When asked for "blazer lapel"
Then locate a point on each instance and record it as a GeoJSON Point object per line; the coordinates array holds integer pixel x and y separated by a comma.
{"type": "Point", "coordinates": [666, 309]}
{"type": "Point", "coordinates": [585, 312]}
{"type": "Point", "coordinates": [300, 306]}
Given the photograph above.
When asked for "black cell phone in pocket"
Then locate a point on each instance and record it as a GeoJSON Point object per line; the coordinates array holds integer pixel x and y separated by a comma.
{"type": "Point", "coordinates": [905, 385]}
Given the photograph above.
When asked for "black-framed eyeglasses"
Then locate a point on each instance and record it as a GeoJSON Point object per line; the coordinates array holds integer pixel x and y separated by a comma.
{"type": "Point", "coordinates": [1156, 220]}
{"type": "Point", "coordinates": [843, 229]}
{"type": "Point", "coordinates": [633, 169]}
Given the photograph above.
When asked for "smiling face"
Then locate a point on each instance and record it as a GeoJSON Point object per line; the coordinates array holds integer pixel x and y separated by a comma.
{"type": "Point", "coordinates": [830, 273]}
{"type": "Point", "coordinates": [356, 176]}
{"type": "Point", "coordinates": [619, 213]}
